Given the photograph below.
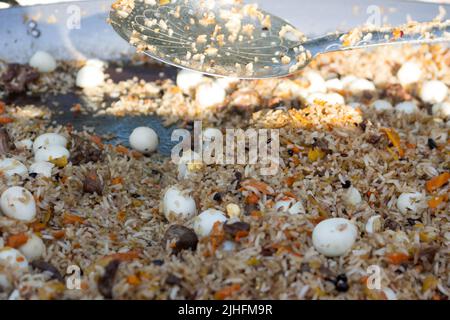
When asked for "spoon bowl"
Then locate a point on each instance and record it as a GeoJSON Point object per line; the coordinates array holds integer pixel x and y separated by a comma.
{"type": "Point", "coordinates": [226, 38]}
{"type": "Point", "coordinates": [218, 38]}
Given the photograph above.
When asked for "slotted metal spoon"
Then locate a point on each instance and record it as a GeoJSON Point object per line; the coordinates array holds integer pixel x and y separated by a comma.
{"type": "Point", "coordinates": [170, 33]}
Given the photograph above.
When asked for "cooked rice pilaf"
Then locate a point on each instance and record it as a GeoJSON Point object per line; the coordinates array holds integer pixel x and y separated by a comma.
{"type": "Point", "coordinates": [102, 209]}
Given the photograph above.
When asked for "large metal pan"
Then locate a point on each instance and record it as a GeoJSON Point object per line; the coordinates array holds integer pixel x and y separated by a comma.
{"type": "Point", "coordinates": [78, 30]}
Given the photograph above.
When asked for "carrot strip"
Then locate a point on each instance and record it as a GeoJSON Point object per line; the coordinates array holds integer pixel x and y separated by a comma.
{"type": "Point", "coordinates": [17, 240]}
{"type": "Point", "coordinates": [437, 182]}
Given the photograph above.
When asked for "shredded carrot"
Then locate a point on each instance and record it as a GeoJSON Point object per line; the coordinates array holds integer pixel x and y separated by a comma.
{"type": "Point", "coordinates": [17, 240]}
{"type": "Point", "coordinates": [217, 236]}
{"type": "Point", "coordinates": [97, 140]}
{"type": "Point", "coordinates": [72, 219]}
{"type": "Point", "coordinates": [124, 256]}
{"type": "Point", "coordinates": [397, 258]}
{"type": "Point", "coordinates": [59, 234]}
{"type": "Point", "coordinates": [255, 214]}
{"type": "Point", "coordinates": [227, 291]}
{"type": "Point", "coordinates": [2, 107]}
{"type": "Point", "coordinates": [121, 149]}
{"type": "Point", "coordinates": [136, 154]}
{"type": "Point", "coordinates": [117, 180]}
{"type": "Point", "coordinates": [289, 194]}
{"type": "Point", "coordinates": [240, 235]}
{"type": "Point", "coordinates": [258, 185]}
{"type": "Point", "coordinates": [6, 120]}
{"type": "Point", "coordinates": [133, 280]}
{"type": "Point", "coordinates": [121, 215]}
{"type": "Point", "coordinates": [295, 149]}
{"type": "Point", "coordinates": [395, 140]}
{"type": "Point", "coordinates": [434, 202]}
{"type": "Point", "coordinates": [437, 182]}
{"type": "Point", "coordinates": [38, 226]}
{"type": "Point", "coordinates": [252, 199]}
{"type": "Point", "coordinates": [290, 181]}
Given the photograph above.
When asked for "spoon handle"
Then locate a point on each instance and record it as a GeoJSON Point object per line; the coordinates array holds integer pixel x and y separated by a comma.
{"type": "Point", "coordinates": [388, 36]}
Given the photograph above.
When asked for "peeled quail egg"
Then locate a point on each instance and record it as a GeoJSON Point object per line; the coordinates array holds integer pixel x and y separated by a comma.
{"type": "Point", "coordinates": [334, 84]}
{"type": "Point", "coordinates": [373, 224]}
{"type": "Point", "coordinates": [34, 248]}
{"type": "Point", "coordinates": [178, 204]}
{"type": "Point", "coordinates": [290, 206]}
{"type": "Point", "coordinates": [441, 109]}
{"type": "Point", "coordinates": [144, 139]}
{"type": "Point", "coordinates": [227, 83]}
{"type": "Point", "coordinates": [10, 167]}
{"type": "Point", "coordinates": [90, 76]}
{"type": "Point", "coordinates": [330, 98]}
{"type": "Point", "coordinates": [50, 153]}
{"type": "Point", "coordinates": [204, 223]}
{"type": "Point", "coordinates": [316, 82]}
{"type": "Point", "coordinates": [95, 63]}
{"type": "Point", "coordinates": [209, 95]}
{"type": "Point", "coordinates": [410, 72]}
{"type": "Point", "coordinates": [13, 258]}
{"type": "Point", "coordinates": [24, 144]}
{"type": "Point", "coordinates": [352, 196]}
{"type": "Point", "coordinates": [43, 168]}
{"type": "Point", "coordinates": [409, 202]}
{"type": "Point", "coordinates": [334, 237]}
{"type": "Point", "coordinates": [382, 105]}
{"type": "Point", "coordinates": [18, 203]}
{"type": "Point", "coordinates": [407, 107]}
{"type": "Point", "coordinates": [43, 61]}
{"type": "Point", "coordinates": [48, 139]}
{"type": "Point", "coordinates": [359, 85]}
{"type": "Point", "coordinates": [433, 91]}
{"type": "Point", "coordinates": [188, 80]}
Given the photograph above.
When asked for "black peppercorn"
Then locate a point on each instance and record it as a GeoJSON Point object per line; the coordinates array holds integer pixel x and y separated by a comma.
{"type": "Point", "coordinates": [217, 197]}
{"type": "Point", "coordinates": [347, 184]}
{"type": "Point", "coordinates": [341, 283]}
{"type": "Point", "coordinates": [432, 144]}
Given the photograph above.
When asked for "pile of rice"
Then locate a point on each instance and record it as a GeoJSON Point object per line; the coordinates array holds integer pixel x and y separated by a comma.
{"type": "Point", "coordinates": [116, 239]}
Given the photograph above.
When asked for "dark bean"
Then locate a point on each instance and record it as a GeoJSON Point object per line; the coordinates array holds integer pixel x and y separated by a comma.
{"type": "Point", "coordinates": [158, 262]}
{"type": "Point", "coordinates": [33, 174]}
{"type": "Point", "coordinates": [347, 184]}
{"type": "Point", "coordinates": [341, 283]}
{"type": "Point", "coordinates": [47, 267]}
{"type": "Point", "coordinates": [374, 139]}
{"type": "Point", "coordinates": [217, 197]}
{"type": "Point", "coordinates": [173, 280]}
{"type": "Point", "coordinates": [305, 267]}
{"type": "Point", "coordinates": [432, 144]}
{"type": "Point", "coordinates": [290, 152]}
{"type": "Point", "coordinates": [182, 238]}
{"type": "Point", "coordinates": [234, 228]}
{"type": "Point", "coordinates": [363, 125]}
{"type": "Point", "coordinates": [5, 141]}
{"type": "Point", "coordinates": [391, 224]}
{"type": "Point", "coordinates": [268, 251]}
{"type": "Point", "coordinates": [106, 281]}
{"type": "Point", "coordinates": [412, 222]}
{"type": "Point", "coordinates": [93, 183]}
